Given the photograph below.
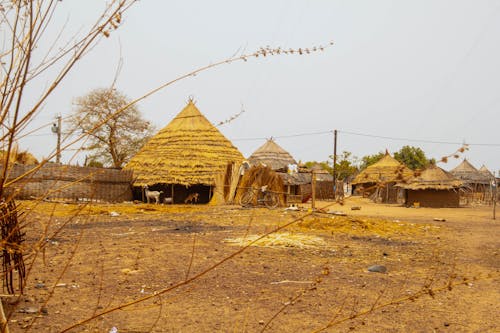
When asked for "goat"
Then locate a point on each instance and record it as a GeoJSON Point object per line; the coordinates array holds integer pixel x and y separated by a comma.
{"type": "Point", "coordinates": [150, 195]}
{"type": "Point", "coordinates": [192, 197]}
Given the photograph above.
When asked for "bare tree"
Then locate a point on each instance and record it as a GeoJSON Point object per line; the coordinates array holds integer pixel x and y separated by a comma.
{"type": "Point", "coordinates": [122, 134]}
{"type": "Point", "coordinates": [29, 49]}
{"type": "Point", "coordinates": [24, 27]}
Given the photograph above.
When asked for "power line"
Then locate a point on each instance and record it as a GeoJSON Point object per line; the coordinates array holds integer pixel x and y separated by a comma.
{"type": "Point", "coordinates": [420, 140]}
{"type": "Point", "coordinates": [369, 136]}
{"type": "Point", "coordinates": [285, 136]}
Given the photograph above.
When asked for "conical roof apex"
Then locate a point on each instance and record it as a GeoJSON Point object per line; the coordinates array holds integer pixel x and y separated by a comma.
{"type": "Point", "coordinates": [188, 151]}
{"type": "Point", "coordinates": [272, 155]}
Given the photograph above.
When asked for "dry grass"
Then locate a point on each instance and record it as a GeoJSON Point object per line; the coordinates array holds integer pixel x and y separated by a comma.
{"type": "Point", "coordinates": [285, 239]}
{"type": "Point", "coordinates": [365, 226]}
{"type": "Point", "coordinates": [70, 209]}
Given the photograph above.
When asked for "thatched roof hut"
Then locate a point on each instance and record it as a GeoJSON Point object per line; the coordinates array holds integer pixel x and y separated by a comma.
{"type": "Point", "coordinates": [271, 155]}
{"type": "Point", "coordinates": [188, 151]}
{"type": "Point", "coordinates": [484, 170]}
{"type": "Point", "coordinates": [432, 178]}
{"type": "Point", "coordinates": [386, 170]}
{"type": "Point", "coordinates": [466, 172]}
{"type": "Point", "coordinates": [377, 181]}
{"type": "Point", "coordinates": [434, 187]}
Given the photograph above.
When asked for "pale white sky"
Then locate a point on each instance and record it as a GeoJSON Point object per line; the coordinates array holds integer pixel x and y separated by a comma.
{"type": "Point", "coordinates": [426, 70]}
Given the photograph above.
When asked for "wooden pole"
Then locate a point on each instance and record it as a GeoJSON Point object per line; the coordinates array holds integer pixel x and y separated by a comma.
{"type": "Point", "coordinates": [313, 185]}
{"type": "Point", "coordinates": [334, 163]}
{"type": "Point", "coordinates": [4, 324]}
{"type": "Point", "coordinates": [59, 123]}
{"type": "Point", "coordinates": [495, 194]}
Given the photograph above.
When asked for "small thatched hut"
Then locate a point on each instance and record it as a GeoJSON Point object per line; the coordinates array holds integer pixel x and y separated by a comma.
{"type": "Point", "coordinates": [434, 187]}
{"type": "Point", "coordinates": [485, 171]}
{"type": "Point", "coordinates": [272, 155]}
{"type": "Point", "coordinates": [296, 182]}
{"type": "Point", "coordinates": [476, 183]}
{"type": "Point", "coordinates": [377, 181]}
{"type": "Point", "coordinates": [185, 157]}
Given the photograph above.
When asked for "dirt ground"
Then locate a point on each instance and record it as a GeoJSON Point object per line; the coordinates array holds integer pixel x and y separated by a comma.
{"type": "Point", "coordinates": [442, 276]}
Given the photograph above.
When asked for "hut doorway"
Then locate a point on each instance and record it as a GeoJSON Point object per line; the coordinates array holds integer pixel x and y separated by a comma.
{"type": "Point", "coordinates": [178, 192]}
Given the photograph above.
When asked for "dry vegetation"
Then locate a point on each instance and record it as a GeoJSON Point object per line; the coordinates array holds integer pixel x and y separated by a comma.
{"type": "Point", "coordinates": [310, 276]}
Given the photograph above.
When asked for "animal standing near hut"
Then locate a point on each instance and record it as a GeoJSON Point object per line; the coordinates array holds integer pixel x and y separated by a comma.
{"type": "Point", "coordinates": [152, 195]}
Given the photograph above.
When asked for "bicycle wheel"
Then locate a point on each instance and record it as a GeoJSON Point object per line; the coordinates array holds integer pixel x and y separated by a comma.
{"type": "Point", "coordinates": [271, 200]}
{"type": "Point", "coordinates": [246, 199]}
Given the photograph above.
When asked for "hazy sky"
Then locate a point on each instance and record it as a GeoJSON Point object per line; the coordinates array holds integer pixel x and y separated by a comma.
{"type": "Point", "coordinates": [426, 70]}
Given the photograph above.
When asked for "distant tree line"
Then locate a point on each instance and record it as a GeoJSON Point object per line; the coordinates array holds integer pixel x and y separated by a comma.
{"type": "Point", "coordinates": [348, 165]}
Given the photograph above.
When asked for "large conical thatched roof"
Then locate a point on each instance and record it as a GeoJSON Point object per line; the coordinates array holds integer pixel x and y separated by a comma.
{"type": "Point", "coordinates": [188, 151]}
{"type": "Point", "coordinates": [271, 155]}
{"type": "Point", "coordinates": [433, 178]}
{"type": "Point", "coordinates": [387, 170]}
{"type": "Point", "coordinates": [469, 174]}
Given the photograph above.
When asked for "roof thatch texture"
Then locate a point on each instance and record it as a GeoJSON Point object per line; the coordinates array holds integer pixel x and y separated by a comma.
{"type": "Point", "coordinates": [258, 176]}
{"type": "Point", "coordinates": [484, 170]}
{"type": "Point", "coordinates": [387, 170]}
{"type": "Point", "coordinates": [432, 178]}
{"type": "Point", "coordinates": [19, 157]}
{"type": "Point", "coordinates": [271, 155]}
{"type": "Point", "coordinates": [188, 151]}
{"type": "Point", "coordinates": [469, 174]}
{"type": "Point", "coordinates": [297, 178]}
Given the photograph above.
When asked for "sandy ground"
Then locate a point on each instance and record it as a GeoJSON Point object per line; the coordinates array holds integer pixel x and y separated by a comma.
{"type": "Point", "coordinates": [442, 276]}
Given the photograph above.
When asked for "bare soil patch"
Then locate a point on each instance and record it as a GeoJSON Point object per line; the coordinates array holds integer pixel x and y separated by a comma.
{"type": "Point", "coordinates": [98, 262]}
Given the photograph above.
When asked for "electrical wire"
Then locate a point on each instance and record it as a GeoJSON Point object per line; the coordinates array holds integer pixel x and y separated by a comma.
{"type": "Point", "coordinates": [420, 140]}
{"type": "Point", "coordinates": [369, 136]}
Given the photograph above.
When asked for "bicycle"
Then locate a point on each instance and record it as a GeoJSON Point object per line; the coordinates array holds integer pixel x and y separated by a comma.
{"type": "Point", "coordinates": [263, 196]}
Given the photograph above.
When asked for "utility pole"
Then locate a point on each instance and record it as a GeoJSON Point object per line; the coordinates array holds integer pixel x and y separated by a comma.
{"type": "Point", "coordinates": [56, 129]}
{"type": "Point", "coordinates": [313, 188]}
{"type": "Point", "coordinates": [334, 163]}
{"type": "Point", "coordinates": [495, 194]}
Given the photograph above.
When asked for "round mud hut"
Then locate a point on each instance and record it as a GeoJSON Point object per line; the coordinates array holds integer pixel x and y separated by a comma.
{"type": "Point", "coordinates": [184, 159]}
{"type": "Point", "coordinates": [434, 187]}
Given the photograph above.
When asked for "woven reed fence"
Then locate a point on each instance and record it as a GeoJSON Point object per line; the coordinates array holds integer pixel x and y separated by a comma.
{"type": "Point", "coordinates": [55, 181]}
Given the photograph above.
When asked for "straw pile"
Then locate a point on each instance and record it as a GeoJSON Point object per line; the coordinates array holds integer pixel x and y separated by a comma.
{"type": "Point", "coordinates": [283, 240]}
{"type": "Point", "coordinates": [188, 151]}
{"type": "Point", "coordinates": [433, 178]}
{"type": "Point", "coordinates": [19, 157]}
{"type": "Point", "coordinates": [258, 176]}
{"type": "Point", "coordinates": [387, 170]}
{"type": "Point", "coordinates": [272, 155]}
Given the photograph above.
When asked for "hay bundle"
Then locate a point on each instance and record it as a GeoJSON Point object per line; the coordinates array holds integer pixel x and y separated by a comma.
{"type": "Point", "coordinates": [285, 239]}
{"type": "Point", "coordinates": [258, 176]}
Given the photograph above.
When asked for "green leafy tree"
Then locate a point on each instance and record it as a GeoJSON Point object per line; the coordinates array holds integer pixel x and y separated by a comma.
{"type": "Point", "coordinates": [346, 165]}
{"type": "Point", "coordinates": [413, 157]}
{"type": "Point", "coordinates": [323, 165]}
{"type": "Point", "coordinates": [113, 138]}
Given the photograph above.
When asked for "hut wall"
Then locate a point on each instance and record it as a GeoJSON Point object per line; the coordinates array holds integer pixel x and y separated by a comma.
{"type": "Point", "coordinates": [55, 181]}
{"type": "Point", "coordinates": [433, 198]}
{"type": "Point", "coordinates": [324, 190]}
